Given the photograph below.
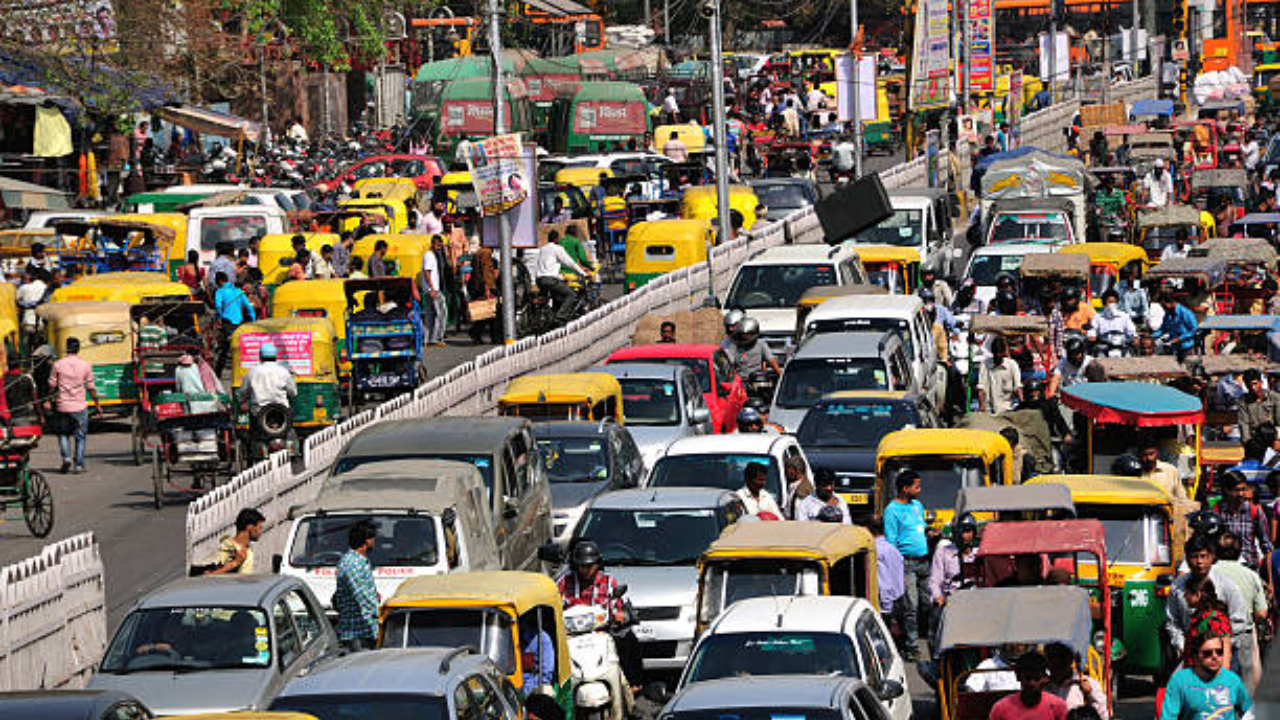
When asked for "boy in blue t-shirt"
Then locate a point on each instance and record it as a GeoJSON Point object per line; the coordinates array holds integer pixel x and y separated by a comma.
{"type": "Point", "coordinates": [1206, 690]}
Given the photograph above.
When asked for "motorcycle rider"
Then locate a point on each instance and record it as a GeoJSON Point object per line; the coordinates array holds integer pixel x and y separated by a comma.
{"type": "Point", "coordinates": [268, 382]}
{"type": "Point", "coordinates": [842, 159]}
{"type": "Point", "coordinates": [587, 584]}
{"type": "Point", "coordinates": [551, 256]}
{"type": "Point", "coordinates": [1115, 327]}
{"type": "Point", "coordinates": [750, 354]}
{"type": "Point", "coordinates": [762, 407]}
{"type": "Point", "coordinates": [732, 320]}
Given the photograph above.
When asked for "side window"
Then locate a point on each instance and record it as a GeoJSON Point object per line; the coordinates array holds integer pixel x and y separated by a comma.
{"type": "Point", "coordinates": [510, 485]}
{"type": "Point", "coordinates": [629, 458]}
{"type": "Point", "coordinates": [288, 644]}
{"type": "Point", "coordinates": [995, 473]}
{"type": "Point", "coordinates": [724, 368]}
{"type": "Point", "coordinates": [873, 673]}
{"type": "Point", "coordinates": [520, 451]}
{"type": "Point", "coordinates": [897, 371]}
{"type": "Point", "coordinates": [304, 618]}
{"type": "Point", "coordinates": [692, 394]}
{"type": "Point", "coordinates": [879, 644]}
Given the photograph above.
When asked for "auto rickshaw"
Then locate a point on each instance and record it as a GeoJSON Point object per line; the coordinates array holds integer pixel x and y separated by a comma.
{"type": "Point", "coordinates": [276, 254]}
{"type": "Point", "coordinates": [1193, 281]}
{"type": "Point", "coordinates": [690, 133]}
{"type": "Point", "coordinates": [130, 287]}
{"type": "Point", "coordinates": [818, 294]}
{"type": "Point", "coordinates": [384, 338]}
{"type": "Point", "coordinates": [308, 347]}
{"type": "Point", "coordinates": [105, 332]}
{"type": "Point", "coordinates": [1055, 271]}
{"type": "Point", "coordinates": [785, 558]}
{"type": "Point", "coordinates": [658, 247]}
{"type": "Point", "coordinates": [897, 269]}
{"type": "Point", "coordinates": [1230, 334]}
{"type": "Point", "coordinates": [404, 253]}
{"type": "Point", "coordinates": [427, 611]}
{"type": "Point", "coordinates": [979, 621]}
{"type": "Point", "coordinates": [9, 324]}
{"type": "Point", "coordinates": [1157, 228]}
{"type": "Point", "coordinates": [946, 461]}
{"type": "Point", "coordinates": [1120, 412]}
{"type": "Point", "coordinates": [1250, 261]}
{"type": "Point", "coordinates": [700, 202]}
{"type": "Point", "coordinates": [392, 188]}
{"type": "Point", "coordinates": [394, 210]}
{"type": "Point", "coordinates": [1108, 262]}
{"type": "Point", "coordinates": [587, 396]}
{"type": "Point", "coordinates": [316, 298]}
{"type": "Point", "coordinates": [1012, 503]}
{"type": "Point", "coordinates": [583, 178]}
{"type": "Point", "coordinates": [1145, 531]}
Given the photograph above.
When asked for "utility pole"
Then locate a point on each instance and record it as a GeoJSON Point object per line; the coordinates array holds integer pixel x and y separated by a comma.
{"type": "Point", "coordinates": [711, 10]}
{"type": "Point", "coordinates": [648, 14]}
{"type": "Point", "coordinates": [265, 137]}
{"type": "Point", "coordinates": [856, 104]}
{"type": "Point", "coordinates": [666, 22]}
{"type": "Point", "coordinates": [500, 128]}
{"type": "Point", "coordinates": [1133, 43]}
{"type": "Point", "coordinates": [1053, 51]}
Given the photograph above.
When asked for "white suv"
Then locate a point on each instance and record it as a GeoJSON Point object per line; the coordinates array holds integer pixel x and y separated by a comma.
{"type": "Point", "coordinates": [721, 461]}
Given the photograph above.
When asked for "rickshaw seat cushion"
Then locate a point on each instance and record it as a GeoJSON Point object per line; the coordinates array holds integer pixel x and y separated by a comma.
{"type": "Point", "coordinates": [977, 705]}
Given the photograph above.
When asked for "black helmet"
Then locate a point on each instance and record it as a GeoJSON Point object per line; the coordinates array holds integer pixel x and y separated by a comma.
{"type": "Point", "coordinates": [585, 553]}
{"type": "Point", "coordinates": [757, 404]}
{"type": "Point", "coordinates": [1126, 465]}
{"type": "Point", "coordinates": [1070, 293]}
{"type": "Point", "coordinates": [1073, 344]}
{"type": "Point", "coordinates": [1207, 523]}
{"type": "Point", "coordinates": [749, 417]}
{"type": "Point", "coordinates": [964, 522]}
{"type": "Point", "coordinates": [926, 295]}
{"type": "Point", "coordinates": [1004, 281]}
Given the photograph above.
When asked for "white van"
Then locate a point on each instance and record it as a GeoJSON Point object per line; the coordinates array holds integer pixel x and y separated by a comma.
{"type": "Point", "coordinates": [235, 224]}
{"type": "Point", "coordinates": [769, 284]}
{"type": "Point", "coordinates": [914, 224]}
{"type": "Point", "coordinates": [903, 314]}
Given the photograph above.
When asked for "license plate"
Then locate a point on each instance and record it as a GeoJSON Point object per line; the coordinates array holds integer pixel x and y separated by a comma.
{"type": "Point", "coordinates": [857, 498]}
{"type": "Point", "coordinates": [642, 631]}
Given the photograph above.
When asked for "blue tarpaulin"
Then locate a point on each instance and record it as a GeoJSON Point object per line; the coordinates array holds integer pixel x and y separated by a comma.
{"type": "Point", "coordinates": [1151, 106]}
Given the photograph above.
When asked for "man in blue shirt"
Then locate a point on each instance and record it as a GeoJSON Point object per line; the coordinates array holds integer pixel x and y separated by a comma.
{"type": "Point", "coordinates": [1206, 690]}
{"type": "Point", "coordinates": [538, 656]}
{"type": "Point", "coordinates": [1179, 326]}
{"type": "Point", "coordinates": [232, 306]}
{"type": "Point", "coordinates": [904, 528]}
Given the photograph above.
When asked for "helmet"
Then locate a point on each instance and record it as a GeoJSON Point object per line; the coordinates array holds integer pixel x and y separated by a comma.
{"type": "Point", "coordinates": [1206, 522]}
{"type": "Point", "coordinates": [1070, 293]}
{"type": "Point", "coordinates": [926, 295]}
{"type": "Point", "coordinates": [1004, 281]}
{"type": "Point", "coordinates": [964, 522]}
{"type": "Point", "coordinates": [1032, 390]}
{"type": "Point", "coordinates": [732, 319]}
{"type": "Point", "coordinates": [748, 330]}
{"type": "Point", "coordinates": [749, 417]}
{"type": "Point", "coordinates": [1073, 344]}
{"type": "Point", "coordinates": [267, 352]}
{"type": "Point", "coordinates": [585, 553]}
{"type": "Point", "coordinates": [830, 514]}
{"type": "Point", "coordinates": [757, 404]}
{"type": "Point", "coordinates": [1126, 465]}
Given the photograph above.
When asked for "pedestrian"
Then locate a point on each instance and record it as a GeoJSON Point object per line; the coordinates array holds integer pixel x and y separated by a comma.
{"type": "Point", "coordinates": [1259, 405]}
{"type": "Point", "coordinates": [999, 380]}
{"type": "Point", "coordinates": [431, 222]}
{"type": "Point", "coordinates": [30, 295]}
{"type": "Point", "coordinates": [675, 149]}
{"type": "Point", "coordinates": [233, 307]}
{"type": "Point", "coordinates": [298, 269]}
{"type": "Point", "coordinates": [1157, 471]}
{"type": "Point", "coordinates": [342, 254]}
{"type": "Point", "coordinates": [1200, 555]}
{"type": "Point", "coordinates": [355, 597]}
{"type": "Point", "coordinates": [1067, 684]}
{"type": "Point", "coordinates": [355, 269]}
{"type": "Point", "coordinates": [947, 571]}
{"type": "Point", "coordinates": [222, 263]}
{"type": "Point", "coordinates": [70, 380]}
{"type": "Point", "coordinates": [667, 332]}
{"type": "Point", "coordinates": [905, 527]}
{"type": "Point", "coordinates": [1245, 519]}
{"type": "Point", "coordinates": [235, 552]}
{"type": "Point", "coordinates": [322, 264]}
{"type": "Point", "coordinates": [483, 285]}
{"type": "Point", "coordinates": [191, 274]}
{"type": "Point", "coordinates": [434, 308]}
{"type": "Point", "coordinates": [1031, 702]}
{"type": "Point", "coordinates": [758, 501]}
{"type": "Point", "coordinates": [40, 264]}
{"type": "Point", "coordinates": [1251, 588]}
{"type": "Point", "coordinates": [890, 578]}
{"type": "Point", "coordinates": [1207, 690]}
{"type": "Point", "coordinates": [823, 496]}
{"type": "Point", "coordinates": [377, 261]}
{"type": "Point", "coordinates": [242, 263]}
{"type": "Point", "coordinates": [671, 109]}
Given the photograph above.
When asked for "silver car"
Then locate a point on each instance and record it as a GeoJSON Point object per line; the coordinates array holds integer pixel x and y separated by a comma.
{"type": "Point", "coordinates": [650, 540]}
{"type": "Point", "coordinates": [812, 697]}
{"type": "Point", "coordinates": [662, 403]}
{"type": "Point", "coordinates": [216, 644]}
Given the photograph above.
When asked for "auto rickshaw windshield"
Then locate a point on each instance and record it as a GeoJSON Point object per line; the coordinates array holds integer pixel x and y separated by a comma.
{"type": "Point", "coordinates": [890, 276]}
{"type": "Point", "coordinates": [650, 537]}
{"type": "Point", "coordinates": [1135, 535]}
{"type": "Point", "coordinates": [728, 582]}
{"type": "Point", "coordinates": [488, 629]}
{"type": "Point", "coordinates": [941, 476]}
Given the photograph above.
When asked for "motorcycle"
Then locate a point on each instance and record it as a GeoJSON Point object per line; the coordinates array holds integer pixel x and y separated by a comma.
{"type": "Point", "coordinates": [602, 691]}
{"type": "Point", "coordinates": [1113, 344]}
{"type": "Point", "coordinates": [270, 431]}
{"type": "Point", "coordinates": [762, 384]}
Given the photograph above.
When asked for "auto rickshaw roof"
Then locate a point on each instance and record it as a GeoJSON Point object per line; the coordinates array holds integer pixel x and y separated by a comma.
{"type": "Point", "coordinates": [671, 230]}
{"type": "Point", "coordinates": [709, 191]}
{"type": "Point", "coordinates": [1108, 489]}
{"type": "Point", "coordinates": [887, 253]}
{"type": "Point", "coordinates": [283, 242]}
{"type": "Point", "coordinates": [1042, 265]}
{"type": "Point", "coordinates": [1237, 250]}
{"type": "Point", "coordinates": [300, 323]}
{"type": "Point", "coordinates": [991, 617]}
{"type": "Point", "coordinates": [1259, 218]}
{"type": "Point", "coordinates": [582, 176]}
{"type": "Point", "coordinates": [375, 188]}
{"type": "Point", "coordinates": [1010, 324]}
{"type": "Point", "coordinates": [1169, 215]}
{"type": "Point", "coordinates": [1155, 367]}
{"type": "Point", "coordinates": [1133, 403]}
{"type": "Point", "coordinates": [1269, 323]}
{"type": "Point", "coordinates": [611, 91]}
{"type": "Point", "coordinates": [561, 387]}
{"type": "Point", "coordinates": [1014, 498]}
{"type": "Point", "coordinates": [126, 286]}
{"type": "Point", "coordinates": [1209, 270]}
{"type": "Point", "coordinates": [1044, 536]}
{"type": "Point", "coordinates": [402, 283]}
{"type": "Point", "coordinates": [830, 541]}
{"type": "Point", "coordinates": [1117, 253]}
{"type": "Point", "coordinates": [821, 293]}
{"type": "Point", "coordinates": [1219, 177]}
{"type": "Point", "coordinates": [520, 590]}
{"type": "Point", "coordinates": [943, 441]}
{"type": "Point", "coordinates": [84, 312]}
{"type": "Point", "coordinates": [1218, 365]}
{"type": "Point", "coordinates": [1151, 106]}
{"type": "Point", "coordinates": [314, 290]}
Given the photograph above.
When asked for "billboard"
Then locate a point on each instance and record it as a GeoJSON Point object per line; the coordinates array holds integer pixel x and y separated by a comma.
{"type": "Point", "coordinates": [59, 23]}
{"type": "Point", "coordinates": [931, 59]}
{"type": "Point", "coordinates": [982, 45]}
{"type": "Point", "coordinates": [496, 172]}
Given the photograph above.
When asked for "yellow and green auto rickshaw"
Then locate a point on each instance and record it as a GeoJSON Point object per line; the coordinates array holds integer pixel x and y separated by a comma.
{"type": "Point", "coordinates": [589, 396]}
{"type": "Point", "coordinates": [276, 254]}
{"type": "Point", "coordinates": [700, 202]}
{"type": "Point", "coordinates": [1108, 263]}
{"type": "Point", "coordinates": [657, 247]}
{"type": "Point", "coordinates": [316, 298]}
{"type": "Point", "coordinates": [404, 253]}
{"type": "Point", "coordinates": [897, 269]}
{"type": "Point", "coordinates": [105, 331]}
{"type": "Point", "coordinates": [393, 210]}
{"type": "Point", "coordinates": [946, 461]}
{"type": "Point", "coordinates": [498, 606]}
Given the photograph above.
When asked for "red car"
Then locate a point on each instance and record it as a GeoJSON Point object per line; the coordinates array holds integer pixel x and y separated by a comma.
{"type": "Point", "coordinates": [423, 169]}
{"type": "Point", "coordinates": [721, 386]}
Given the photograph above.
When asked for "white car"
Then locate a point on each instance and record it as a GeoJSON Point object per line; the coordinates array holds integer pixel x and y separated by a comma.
{"type": "Point", "coordinates": [915, 223]}
{"type": "Point", "coordinates": [721, 461]}
{"type": "Point", "coordinates": [769, 284]}
{"type": "Point", "coordinates": [47, 218]}
{"type": "Point", "coordinates": [803, 635]}
{"type": "Point", "coordinates": [989, 262]}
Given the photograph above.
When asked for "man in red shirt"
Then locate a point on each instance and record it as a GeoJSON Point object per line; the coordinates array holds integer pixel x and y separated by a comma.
{"type": "Point", "coordinates": [1031, 702]}
{"type": "Point", "coordinates": [587, 584]}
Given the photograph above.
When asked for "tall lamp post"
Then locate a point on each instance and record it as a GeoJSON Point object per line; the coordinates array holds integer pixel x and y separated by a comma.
{"type": "Point", "coordinates": [711, 11]}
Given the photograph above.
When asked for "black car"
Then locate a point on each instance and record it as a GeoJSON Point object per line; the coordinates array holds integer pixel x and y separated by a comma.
{"type": "Point", "coordinates": [842, 431]}
{"type": "Point", "coordinates": [72, 705]}
{"type": "Point", "coordinates": [584, 459]}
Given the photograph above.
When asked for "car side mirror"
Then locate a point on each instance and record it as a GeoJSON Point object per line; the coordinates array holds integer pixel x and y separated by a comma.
{"type": "Point", "coordinates": [277, 562]}
{"type": "Point", "coordinates": [657, 693]}
{"type": "Point", "coordinates": [700, 416]}
{"type": "Point", "coordinates": [890, 689]}
{"type": "Point", "coordinates": [510, 509]}
{"type": "Point", "coordinates": [551, 553]}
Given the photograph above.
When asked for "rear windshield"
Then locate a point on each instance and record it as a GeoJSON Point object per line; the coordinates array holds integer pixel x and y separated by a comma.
{"type": "Point", "coordinates": [777, 286]}
{"type": "Point", "coordinates": [650, 402]}
{"type": "Point", "coordinates": [701, 369]}
{"type": "Point", "coordinates": [1037, 227]}
{"type": "Point", "coordinates": [773, 653]}
{"type": "Point", "coordinates": [861, 425]}
{"type": "Point", "coordinates": [483, 463]}
{"type": "Point", "coordinates": [986, 268]}
{"type": "Point", "coordinates": [806, 380]}
{"type": "Point", "coordinates": [902, 228]}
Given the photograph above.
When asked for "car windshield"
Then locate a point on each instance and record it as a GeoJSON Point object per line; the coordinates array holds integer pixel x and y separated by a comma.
{"type": "Point", "coordinates": [734, 580]}
{"type": "Point", "coordinates": [773, 712]}
{"type": "Point", "coordinates": [941, 477]}
{"type": "Point", "coordinates": [483, 463]}
{"type": "Point", "coordinates": [777, 286]}
{"type": "Point", "coordinates": [650, 401]}
{"type": "Point", "coordinates": [1134, 535]}
{"type": "Point", "coordinates": [984, 269]}
{"type": "Point", "coordinates": [448, 627]}
{"type": "Point", "coordinates": [806, 380]}
{"type": "Point", "coordinates": [651, 537]}
{"type": "Point", "coordinates": [902, 228]}
{"type": "Point", "coordinates": [701, 369]}
{"type": "Point", "coordinates": [722, 471]}
{"type": "Point", "coordinates": [859, 425]}
{"type": "Point", "coordinates": [572, 460]}
{"type": "Point", "coordinates": [781, 195]}
{"type": "Point", "coordinates": [350, 706]}
{"type": "Point", "coordinates": [403, 541]}
{"type": "Point", "coordinates": [1031, 228]}
{"type": "Point", "coordinates": [190, 639]}
{"type": "Point", "coordinates": [773, 653]}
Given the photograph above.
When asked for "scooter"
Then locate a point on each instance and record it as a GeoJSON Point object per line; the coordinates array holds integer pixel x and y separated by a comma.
{"type": "Point", "coordinates": [601, 691]}
{"type": "Point", "coordinates": [270, 430]}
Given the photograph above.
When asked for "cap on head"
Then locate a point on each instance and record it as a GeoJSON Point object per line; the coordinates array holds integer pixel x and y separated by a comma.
{"type": "Point", "coordinates": [268, 352]}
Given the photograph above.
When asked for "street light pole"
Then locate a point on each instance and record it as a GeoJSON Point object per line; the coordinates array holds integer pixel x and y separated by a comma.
{"type": "Point", "coordinates": [856, 104]}
{"type": "Point", "coordinates": [712, 10]}
{"type": "Point", "coordinates": [500, 128]}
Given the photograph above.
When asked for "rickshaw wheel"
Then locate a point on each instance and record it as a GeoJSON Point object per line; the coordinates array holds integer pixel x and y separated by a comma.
{"type": "Point", "coordinates": [37, 504]}
{"type": "Point", "coordinates": [138, 439]}
{"type": "Point", "coordinates": [157, 479]}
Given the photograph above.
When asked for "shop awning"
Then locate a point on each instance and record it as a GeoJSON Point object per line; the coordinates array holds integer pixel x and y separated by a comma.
{"type": "Point", "coordinates": [20, 195]}
{"type": "Point", "coordinates": [559, 8]}
{"type": "Point", "coordinates": [209, 122]}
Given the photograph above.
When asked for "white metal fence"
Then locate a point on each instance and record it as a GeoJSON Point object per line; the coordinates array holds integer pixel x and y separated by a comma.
{"type": "Point", "coordinates": [53, 611]}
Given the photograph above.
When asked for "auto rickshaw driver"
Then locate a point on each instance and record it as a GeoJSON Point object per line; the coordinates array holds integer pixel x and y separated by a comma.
{"type": "Point", "coordinates": [587, 584]}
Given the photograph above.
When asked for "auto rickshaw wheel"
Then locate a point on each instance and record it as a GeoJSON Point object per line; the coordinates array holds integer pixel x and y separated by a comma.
{"type": "Point", "coordinates": [37, 504]}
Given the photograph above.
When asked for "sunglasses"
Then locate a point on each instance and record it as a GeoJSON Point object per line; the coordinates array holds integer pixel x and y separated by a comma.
{"type": "Point", "coordinates": [1210, 652]}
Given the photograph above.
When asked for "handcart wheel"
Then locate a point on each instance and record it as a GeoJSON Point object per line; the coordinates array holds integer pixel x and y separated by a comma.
{"type": "Point", "coordinates": [139, 440]}
{"type": "Point", "coordinates": [157, 478]}
{"type": "Point", "coordinates": [37, 504]}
